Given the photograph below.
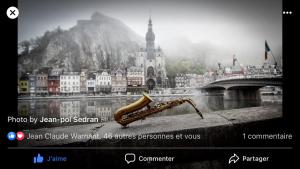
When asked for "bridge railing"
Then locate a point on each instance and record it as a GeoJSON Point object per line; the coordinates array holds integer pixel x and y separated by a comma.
{"type": "Point", "coordinates": [257, 76]}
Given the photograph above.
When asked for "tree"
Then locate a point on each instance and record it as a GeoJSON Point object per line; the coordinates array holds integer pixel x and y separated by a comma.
{"type": "Point", "coordinates": [131, 61]}
{"type": "Point", "coordinates": [24, 47]}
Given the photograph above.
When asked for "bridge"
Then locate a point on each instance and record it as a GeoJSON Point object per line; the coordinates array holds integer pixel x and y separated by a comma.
{"type": "Point", "coordinates": [242, 87]}
{"type": "Point", "coordinates": [237, 82]}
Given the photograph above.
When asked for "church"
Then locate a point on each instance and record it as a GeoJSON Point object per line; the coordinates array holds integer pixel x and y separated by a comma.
{"type": "Point", "coordinates": [152, 60]}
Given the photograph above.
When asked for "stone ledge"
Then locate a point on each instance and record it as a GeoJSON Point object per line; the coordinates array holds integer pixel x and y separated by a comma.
{"type": "Point", "coordinates": [213, 128]}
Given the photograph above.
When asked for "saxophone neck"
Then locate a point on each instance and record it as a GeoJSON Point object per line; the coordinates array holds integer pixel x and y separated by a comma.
{"type": "Point", "coordinates": [191, 102]}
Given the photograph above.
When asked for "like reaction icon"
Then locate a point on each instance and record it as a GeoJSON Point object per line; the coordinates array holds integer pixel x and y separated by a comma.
{"type": "Point", "coordinates": [38, 159]}
{"type": "Point", "coordinates": [11, 136]}
{"type": "Point", "coordinates": [20, 136]}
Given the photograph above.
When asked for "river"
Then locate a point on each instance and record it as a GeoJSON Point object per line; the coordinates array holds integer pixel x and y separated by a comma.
{"type": "Point", "coordinates": [103, 108]}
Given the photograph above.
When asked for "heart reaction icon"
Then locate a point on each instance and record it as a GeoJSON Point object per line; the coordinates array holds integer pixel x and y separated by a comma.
{"type": "Point", "coordinates": [20, 136]}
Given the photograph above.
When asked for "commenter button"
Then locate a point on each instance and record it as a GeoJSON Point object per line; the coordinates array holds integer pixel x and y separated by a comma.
{"type": "Point", "coordinates": [156, 159]}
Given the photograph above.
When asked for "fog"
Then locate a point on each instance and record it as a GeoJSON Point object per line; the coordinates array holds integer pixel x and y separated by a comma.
{"type": "Point", "coordinates": [211, 29]}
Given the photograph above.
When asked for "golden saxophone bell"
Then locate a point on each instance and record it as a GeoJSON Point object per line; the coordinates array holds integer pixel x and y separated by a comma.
{"type": "Point", "coordinates": [130, 113]}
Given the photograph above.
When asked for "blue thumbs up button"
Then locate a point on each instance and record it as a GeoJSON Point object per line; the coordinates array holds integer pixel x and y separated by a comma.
{"type": "Point", "coordinates": [38, 159]}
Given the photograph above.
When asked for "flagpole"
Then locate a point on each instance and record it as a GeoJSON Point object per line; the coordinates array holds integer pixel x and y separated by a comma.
{"type": "Point", "coordinates": [273, 56]}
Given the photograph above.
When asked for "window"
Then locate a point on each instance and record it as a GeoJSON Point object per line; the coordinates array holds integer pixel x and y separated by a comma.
{"type": "Point", "coordinates": [150, 71]}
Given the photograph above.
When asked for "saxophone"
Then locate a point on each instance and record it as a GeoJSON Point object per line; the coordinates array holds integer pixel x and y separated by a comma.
{"type": "Point", "coordinates": [129, 113]}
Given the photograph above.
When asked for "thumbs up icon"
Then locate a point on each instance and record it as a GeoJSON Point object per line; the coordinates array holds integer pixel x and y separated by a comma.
{"type": "Point", "coordinates": [38, 159]}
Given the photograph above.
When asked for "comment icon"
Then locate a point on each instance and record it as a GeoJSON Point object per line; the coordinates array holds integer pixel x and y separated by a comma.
{"type": "Point", "coordinates": [129, 158]}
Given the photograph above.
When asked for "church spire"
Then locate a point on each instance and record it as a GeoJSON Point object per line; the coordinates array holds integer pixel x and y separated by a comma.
{"type": "Point", "coordinates": [150, 22]}
{"type": "Point", "coordinates": [150, 38]}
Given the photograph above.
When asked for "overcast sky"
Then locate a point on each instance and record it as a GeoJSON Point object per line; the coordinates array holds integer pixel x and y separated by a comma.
{"type": "Point", "coordinates": [234, 25]}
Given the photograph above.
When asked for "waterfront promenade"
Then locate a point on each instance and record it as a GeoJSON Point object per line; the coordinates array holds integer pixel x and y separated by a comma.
{"type": "Point", "coordinates": [96, 96]}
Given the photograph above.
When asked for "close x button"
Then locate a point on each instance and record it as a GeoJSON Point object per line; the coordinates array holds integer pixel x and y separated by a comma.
{"type": "Point", "coordinates": [12, 12]}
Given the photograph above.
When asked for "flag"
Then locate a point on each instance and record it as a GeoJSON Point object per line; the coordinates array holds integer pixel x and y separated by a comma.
{"type": "Point", "coordinates": [234, 60]}
{"type": "Point", "coordinates": [267, 49]}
